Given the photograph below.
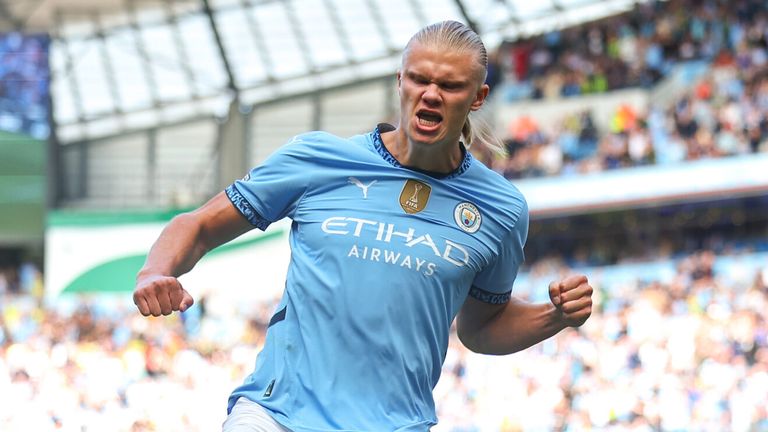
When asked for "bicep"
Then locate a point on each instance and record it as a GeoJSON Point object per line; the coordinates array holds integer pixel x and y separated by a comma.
{"type": "Point", "coordinates": [220, 221]}
{"type": "Point", "coordinates": [472, 318]}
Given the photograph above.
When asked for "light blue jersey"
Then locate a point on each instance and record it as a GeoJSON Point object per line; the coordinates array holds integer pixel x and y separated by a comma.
{"type": "Point", "coordinates": [382, 260]}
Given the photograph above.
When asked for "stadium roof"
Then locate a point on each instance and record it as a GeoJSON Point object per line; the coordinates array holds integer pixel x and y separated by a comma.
{"type": "Point", "coordinates": [120, 65]}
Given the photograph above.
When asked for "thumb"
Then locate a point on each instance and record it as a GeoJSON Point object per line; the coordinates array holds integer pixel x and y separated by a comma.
{"type": "Point", "coordinates": [186, 301]}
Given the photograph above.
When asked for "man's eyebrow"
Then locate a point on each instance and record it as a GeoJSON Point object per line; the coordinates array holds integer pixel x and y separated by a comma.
{"type": "Point", "coordinates": [443, 82]}
{"type": "Point", "coordinates": [413, 74]}
{"type": "Point", "coordinates": [454, 82]}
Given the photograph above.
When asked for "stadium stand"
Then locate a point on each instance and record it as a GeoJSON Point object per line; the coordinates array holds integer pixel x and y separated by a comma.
{"type": "Point", "coordinates": [721, 113]}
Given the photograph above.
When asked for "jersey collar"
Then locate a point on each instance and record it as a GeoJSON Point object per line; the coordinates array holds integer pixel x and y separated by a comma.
{"type": "Point", "coordinates": [387, 156]}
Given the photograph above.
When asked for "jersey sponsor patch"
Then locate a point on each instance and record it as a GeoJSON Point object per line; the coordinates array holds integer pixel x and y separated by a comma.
{"type": "Point", "coordinates": [467, 217]}
{"type": "Point", "coordinates": [415, 196]}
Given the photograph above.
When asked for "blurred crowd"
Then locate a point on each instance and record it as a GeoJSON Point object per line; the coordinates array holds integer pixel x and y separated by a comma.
{"type": "Point", "coordinates": [24, 84]}
{"type": "Point", "coordinates": [634, 49]}
{"type": "Point", "coordinates": [20, 277]}
{"type": "Point", "coordinates": [689, 353]}
{"type": "Point", "coordinates": [94, 364]}
{"type": "Point", "coordinates": [724, 113]}
{"type": "Point", "coordinates": [686, 353]}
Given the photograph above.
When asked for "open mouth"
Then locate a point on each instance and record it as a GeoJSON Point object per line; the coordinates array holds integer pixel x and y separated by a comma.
{"type": "Point", "coordinates": [428, 118]}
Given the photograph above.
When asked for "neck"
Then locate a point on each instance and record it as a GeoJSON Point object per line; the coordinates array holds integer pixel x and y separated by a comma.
{"type": "Point", "coordinates": [442, 158]}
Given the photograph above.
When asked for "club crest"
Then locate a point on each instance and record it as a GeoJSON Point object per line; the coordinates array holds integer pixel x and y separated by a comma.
{"type": "Point", "coordinates": [468, 217]}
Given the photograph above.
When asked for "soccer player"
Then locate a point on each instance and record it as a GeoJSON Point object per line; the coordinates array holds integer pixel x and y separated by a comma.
{"type": "Point", "coordinates": [395, 232]}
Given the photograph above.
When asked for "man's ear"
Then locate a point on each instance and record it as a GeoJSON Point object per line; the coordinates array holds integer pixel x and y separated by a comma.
{"type": "Point", "coordinates": [480, 97]}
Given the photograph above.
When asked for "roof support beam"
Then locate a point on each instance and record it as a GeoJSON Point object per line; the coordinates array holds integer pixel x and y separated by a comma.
{"type": "Point", "coordinates": [341, 33]}
{"type": "Point", "coordinates": [106, 62]}
{"type": "Point", "coordinates": [32, 7]}
{"type": "Point", "coordinates": [8, 17]}
{"type": "Point", "coordinates": [261, 47]}
{"type": "Point", "coordinates": [301, 38]}
{"type": "Point", "coordinates": [141, 48]}
{"type": "Point", "coordinates": [231, 83]}
{"type": "Point", "coordinates": [418, 10]}
{"type": "Point", "coordinates": [378, 19]}
{"type": "Point", "coordinates": [470, 22]}
{"type": "Point", "coordinates": [181, 49]}
{"type": "Point", "coordinates": [68, 72]}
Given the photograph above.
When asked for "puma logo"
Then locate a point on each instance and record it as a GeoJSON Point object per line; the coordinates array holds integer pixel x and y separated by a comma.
{"type": "Point", "coordinates": [362, 185]}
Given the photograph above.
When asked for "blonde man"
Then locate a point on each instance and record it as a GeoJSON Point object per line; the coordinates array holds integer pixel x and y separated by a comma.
{"type": "Point", "coordinates": [395, 233]}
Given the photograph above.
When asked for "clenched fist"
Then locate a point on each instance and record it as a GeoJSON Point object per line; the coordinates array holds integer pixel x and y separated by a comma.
{"type": "Point", "coordinates": [573, 298]}
{"type": "Point", "coordinates": [160, 295]}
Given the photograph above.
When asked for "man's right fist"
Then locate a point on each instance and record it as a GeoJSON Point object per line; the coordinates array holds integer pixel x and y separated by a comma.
{"type": "Point", "coordinates": [160, 295]}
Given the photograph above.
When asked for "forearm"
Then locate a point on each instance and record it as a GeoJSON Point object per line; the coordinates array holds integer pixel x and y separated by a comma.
{"type": "Point", "coordinates": [177, 250]}
{"type": "Point", "coordinates": [189, 236]}
{"type": "Point", "coordinates": [515, 327]}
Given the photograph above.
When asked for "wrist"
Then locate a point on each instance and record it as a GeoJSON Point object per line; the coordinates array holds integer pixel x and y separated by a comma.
{"type": "Point", "coordinates": [557, 318]}
{"type": "Point", "coordinates": [147, 273]}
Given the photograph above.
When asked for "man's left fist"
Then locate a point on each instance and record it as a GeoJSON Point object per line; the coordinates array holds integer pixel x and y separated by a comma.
{"type": "Point", "coordinates": [573, 298]}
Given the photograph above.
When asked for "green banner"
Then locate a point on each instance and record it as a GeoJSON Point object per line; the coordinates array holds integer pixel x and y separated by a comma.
{"type": "Point", "coordinates": [22, 188]}
{"type": "Point", "coordinates": [119, 275]}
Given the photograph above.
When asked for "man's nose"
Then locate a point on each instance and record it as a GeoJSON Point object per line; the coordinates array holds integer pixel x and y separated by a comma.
{"type": "Point", "coordinates": [431, 93]}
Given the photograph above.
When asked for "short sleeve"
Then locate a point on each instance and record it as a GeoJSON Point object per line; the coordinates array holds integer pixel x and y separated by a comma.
{"type": "Point", "coordinates": [494, 283]}
{"type": "Point", "coordinates": [272, 190]}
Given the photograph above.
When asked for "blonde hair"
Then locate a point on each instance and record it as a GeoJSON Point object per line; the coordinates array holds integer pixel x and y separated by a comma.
{"type": "Point", "coordinates": [456, 36]}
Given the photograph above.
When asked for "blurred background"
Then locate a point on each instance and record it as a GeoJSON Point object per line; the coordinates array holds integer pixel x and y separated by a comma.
{"type": "Point", "coordinates": [638, 131]}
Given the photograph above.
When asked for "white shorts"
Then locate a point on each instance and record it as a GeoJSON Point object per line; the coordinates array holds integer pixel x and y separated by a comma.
{"type": "Point", "coordinates": [248, 416]}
